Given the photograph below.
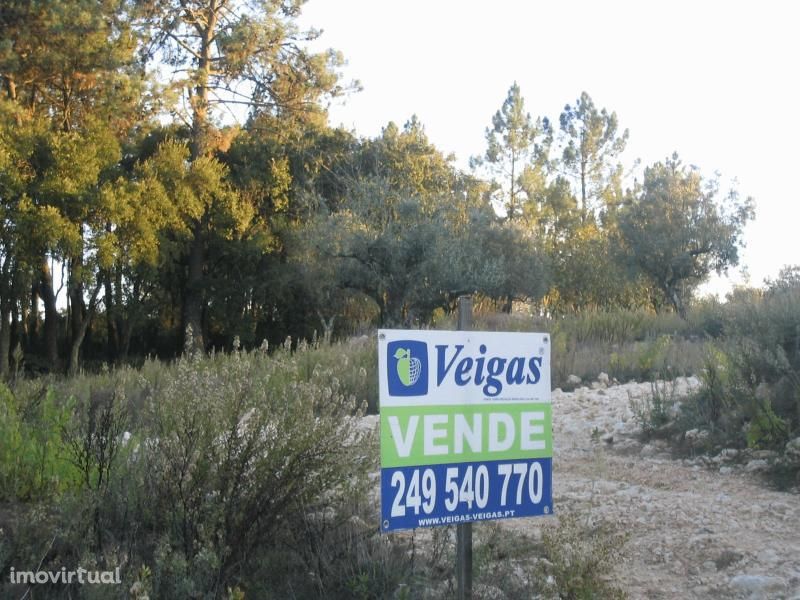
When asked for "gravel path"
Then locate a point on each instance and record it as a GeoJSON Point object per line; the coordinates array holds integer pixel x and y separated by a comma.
{"type": "Point", "coordinates": [698, 528]}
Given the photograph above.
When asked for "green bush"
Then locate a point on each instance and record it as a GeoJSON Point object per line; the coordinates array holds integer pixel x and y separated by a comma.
{"type": "Point", "coordinates": [706, 319]}
{"type": "Point", "coordinates": [750, 396]}
{"type": "Point", "coordinates": [251, 474]}
{"type": "Point", "coordinates": [353, 362]}
{"type": "Point", "coordinates": [33, 457]}
{"type": "Point", "coordinates": [579, 560]}
{"type": "Point", "coordinates": [652, 412]}
{"type": "Point", "coordinates": [196, 472]}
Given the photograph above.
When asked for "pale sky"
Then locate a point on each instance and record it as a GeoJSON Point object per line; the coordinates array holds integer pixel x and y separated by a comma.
{"type": "Point", "coordinates": [716, 81]}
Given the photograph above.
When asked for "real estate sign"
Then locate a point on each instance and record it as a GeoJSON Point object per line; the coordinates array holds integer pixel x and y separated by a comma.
{"type": "Point", "coordinates": [466, 427]}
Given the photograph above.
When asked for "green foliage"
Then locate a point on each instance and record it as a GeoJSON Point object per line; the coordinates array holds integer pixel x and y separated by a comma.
{"type": "Point", "coordinates": [711, 402]}
{"type": "Point", "coordinates": [677, 233]}
{"type": "Point", "coordinates": [413, 251]}
{"type": "Point", "coordinates": [580, 557]}
{"type": "Point", "coordinates": [345, 556]}
{"type": "Point", "coordinates": [224, 461]}
{"type": "Point", "coordinates": [516, 153]}
{"type": "Point", "coordinates": [766, 429]}
{"type": "Point", "coordinates": [591, 144]}
{"type": "Point", "coordinates": [588, 274]}
{"type": "Point", "coordinates": [408, 163]}
{"type": "Point", "coordinates": [652, 412]}
{"type": "Point", "coordinates": [261, 45]}
{"type": "Point", "coordinates": [354, 362]}
{"type": "Point", "coordinates": [502, 560]}
{"type": "Point", "coordinates": [164, 218]}
{"type": "Point", "coordinates": [706, 318]}
{"type": "Point", "coordinates": [751, 388]}
{"type": "Point", "coordinates": [653, 354]}
{"type": "Point", "coordinates": [33, 456]}
{"type": "Point", "coordinates": [502, 261]}
{"type": "Point", "coordinates": [241, 474]}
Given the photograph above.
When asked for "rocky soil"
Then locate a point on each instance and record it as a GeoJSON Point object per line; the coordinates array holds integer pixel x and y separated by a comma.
{"type": "Point", "coordinates": [699, 528]}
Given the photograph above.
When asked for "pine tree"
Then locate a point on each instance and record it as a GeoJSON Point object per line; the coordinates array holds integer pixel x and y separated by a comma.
{"type": "Point", "coordinates": [517, 149]}
{"type": "Point", "coordinates": [591, 146]}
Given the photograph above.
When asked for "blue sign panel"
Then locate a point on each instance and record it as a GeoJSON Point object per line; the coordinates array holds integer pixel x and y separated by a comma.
{"type": "Point", "coordinates": [465, 492]}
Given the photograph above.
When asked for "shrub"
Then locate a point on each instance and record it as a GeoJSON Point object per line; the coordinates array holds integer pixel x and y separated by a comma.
{"type": "Point", "coordinates": [751, 378]}
{"type": "Point", "coordinates": [354, 362]}
{"type": "Point", "coordinates": [240, 445]}
{"type": "Point", "coordinates": [33, 462]}
{"type": "Point", "coordinates": [652, 411]}
{"type": "Point", "coordinates": [762, 363]}
{"type": "Point", "coordinates": [579, 559]}
{"type": "Point", "coordinates": [194, 472]}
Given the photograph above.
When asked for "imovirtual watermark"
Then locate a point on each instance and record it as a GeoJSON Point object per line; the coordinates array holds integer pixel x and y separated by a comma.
{"type": "Point", "coordinates": [80, 575]}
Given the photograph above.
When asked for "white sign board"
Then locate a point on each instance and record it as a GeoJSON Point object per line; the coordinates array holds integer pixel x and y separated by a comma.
{"type": "Point", "coordinates": [466, 426]}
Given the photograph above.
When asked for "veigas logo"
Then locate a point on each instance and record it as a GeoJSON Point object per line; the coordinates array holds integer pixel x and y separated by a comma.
{"type": "Point", "coordinates": [486, 371]}
{"type": "Point", "coordinates": [407, 368]}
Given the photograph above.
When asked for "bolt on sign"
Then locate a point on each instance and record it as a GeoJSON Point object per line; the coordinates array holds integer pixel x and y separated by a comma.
{"type": "Point", "coordinates": [466, 427]}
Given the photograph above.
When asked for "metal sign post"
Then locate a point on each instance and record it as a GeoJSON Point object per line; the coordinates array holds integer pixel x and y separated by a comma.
{"type": "Point", "coordinates": [464, 530]}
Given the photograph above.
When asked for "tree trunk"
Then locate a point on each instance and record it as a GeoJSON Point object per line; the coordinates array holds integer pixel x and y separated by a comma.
{"type": "Point", "coordinates": [6, 301]}
{"type": "Point", "coordinates": [512, 204]}
{"type": "Point", "coordinates": [50, 314]}
{"type": "Point", "coordinates": [677, 302]}
{"type": "Point", "coordinates": [17, 330]}
{"type": "Point", "coordinates": [32, 318]}
{"type": "Point", "coordinates": [584, 166]}
{"type": "Point", "coordinates": [391, 310]}
{"type": "Point", "coordinates": [125, 343]}
{"type": "Point", "coordinates": [327, 327]}
{"type": "Point", "coordinates": [11, 91]}
{"type": "Point", "coordinates": [80, 334]}
{"type": "Point", "coordinates": [76, 301]}
{"type": "Point", "coordinates": [11, 88]}
{"type": "Point", "coordinates": [123, 316]}
{"type": "Point", "coordinates": [193, 299]}
{"type": "Point", "coordinates": [200, 125]}
{"type": "Point", "coordinates": [5, 339]}
{"type": "Point", "coordinates": [193, 302]}
{"type": "Point", "coordinates": [112, 332]}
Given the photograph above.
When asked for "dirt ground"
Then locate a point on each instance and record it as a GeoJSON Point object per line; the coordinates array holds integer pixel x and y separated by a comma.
{"type": "Point", "coordinates": [699, 528]}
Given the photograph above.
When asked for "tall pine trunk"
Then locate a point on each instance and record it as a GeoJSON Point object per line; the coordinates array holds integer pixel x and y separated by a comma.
{"type": "Point", "coordinates": [194, 300]}
{"type": "Point", "coordinates": [50, 314]}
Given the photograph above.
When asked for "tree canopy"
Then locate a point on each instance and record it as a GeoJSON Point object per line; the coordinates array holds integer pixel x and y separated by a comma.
{"type": "Point", "coordinates": [676, 231]}
{"type": "Point", "coordinates": [168, 174]}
